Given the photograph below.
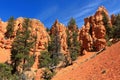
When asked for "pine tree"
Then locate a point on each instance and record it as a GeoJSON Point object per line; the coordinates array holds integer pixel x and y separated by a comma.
{"type": "Point", "coordinates": [72, 25]}
{"type": "Point", "coordinates": [54, 50]}
{"type": "Point", "coordinates": [116, 27]}
{"type": "Point", "coordinates": [10, 27]}
{"type": "Point", "coordinates": [72, 41]}
{"type": "Point", "coordinates": [109, 29]}
{"type": "Point", "coordinates": [21, 46]}
{"type": "Point", "coordinates": [75, 47]}
{"type": "Point", "coordinates": [49, 59]}
{"type": "Point", "coordinates": [72, 22]}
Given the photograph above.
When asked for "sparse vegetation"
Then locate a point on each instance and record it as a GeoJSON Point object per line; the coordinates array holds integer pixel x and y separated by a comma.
{"type": "Point", "coordinates": [47, 75]}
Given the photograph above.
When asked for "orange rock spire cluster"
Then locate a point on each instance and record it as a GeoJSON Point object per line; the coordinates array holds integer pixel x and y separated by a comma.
{"type": "Point", "coordinates": [93, 31]}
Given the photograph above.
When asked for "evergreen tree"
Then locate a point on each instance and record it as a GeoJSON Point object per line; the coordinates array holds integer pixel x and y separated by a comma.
{"type": "Point", "coordinates": [49, 59]}
{"type": "Point", "coordinates": [54, 50]}
{"type": "Point", "coordinates": [109, 29]}
{"type": "Point", "coordinates": [72, 24]}
{"type": "Point", "coordinates": [10, 27]}
{"type": "Point", "coordinates": [75, 47]}
{"type": "Point", "coordinates": [21, 46]}
{"type": "Point", "coordinates": [47, 29]}
{"type": "Point", "coordinates": [116, 27]}
{"type": "Point", "coordinates": [72, 41]}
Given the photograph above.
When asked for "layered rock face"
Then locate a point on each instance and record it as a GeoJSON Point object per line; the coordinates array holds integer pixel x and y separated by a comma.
{"type": "Point", "coordinates": [92, 34]}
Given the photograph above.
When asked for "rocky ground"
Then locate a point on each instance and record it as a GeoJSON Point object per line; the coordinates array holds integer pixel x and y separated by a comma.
{"type": "Point", "coordinates": [104, 66]}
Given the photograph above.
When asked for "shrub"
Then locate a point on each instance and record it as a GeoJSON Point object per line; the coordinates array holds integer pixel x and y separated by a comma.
{"type": "Point", "coordinates": [47, 75]}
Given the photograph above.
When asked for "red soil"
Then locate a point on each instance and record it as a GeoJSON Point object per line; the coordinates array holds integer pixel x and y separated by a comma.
{"type": "Point", "coordinates": [105, 66]}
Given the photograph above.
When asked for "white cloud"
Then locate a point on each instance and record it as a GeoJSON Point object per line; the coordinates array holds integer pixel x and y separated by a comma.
{"type": "Point", "coordinates": [47, 13]}
{"type": "Point", "coordinates": [83, 11]}
{"type": "Point", "coordinates": [115, 11]}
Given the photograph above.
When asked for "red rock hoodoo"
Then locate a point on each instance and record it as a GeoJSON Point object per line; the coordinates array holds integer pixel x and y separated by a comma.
{"type": "Point", "coordinates": [93, 32]}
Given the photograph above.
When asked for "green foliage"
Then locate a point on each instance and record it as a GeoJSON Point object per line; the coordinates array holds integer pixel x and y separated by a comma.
{"type": "Point", "coordinates": [69, 43]}
{"type": "Point", "coordinates": [72, 24]}
{"type": "Point", "coordinates": [75, 48]}
{"type": "Point", "coordinates": [54, 49]}
{"type": "Point", "coordinates": [48, 74]}
{"type": "Point", "coordinates": [45, 59]}
{"type": "Point", "coordinates": [47, 29]}
{"type": "Point", "coordinates": [109, 29]}
{"type": "Point", "coordinates": [5, 72]}
{"type": "Point", "coordinates": [72, 42]}
{"type": "Point", "coordinates": [117, 27]}
{"type": "Point", "coordinates": [10, 27]}
{"type": "Point", "coordinates": [51, 45]}
{"type": "Point", "coordinates": [114, 31]}
{"type": "Point", "coordinates": [30, 61]}
{"type": "Point", "coordinates": [74, 54]}
{"type": "Point", "coordinates": [48, 62]}
{"type": "Point", "coordinates": [109, 43]}
{"type": "Point", "coordinates": [50, 58]}
{"type": "Point", "coordinates": [21, 46]}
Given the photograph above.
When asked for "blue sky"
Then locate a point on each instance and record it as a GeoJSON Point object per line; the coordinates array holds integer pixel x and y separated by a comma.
{"type": "Point", "coordinates": [47, 11]}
